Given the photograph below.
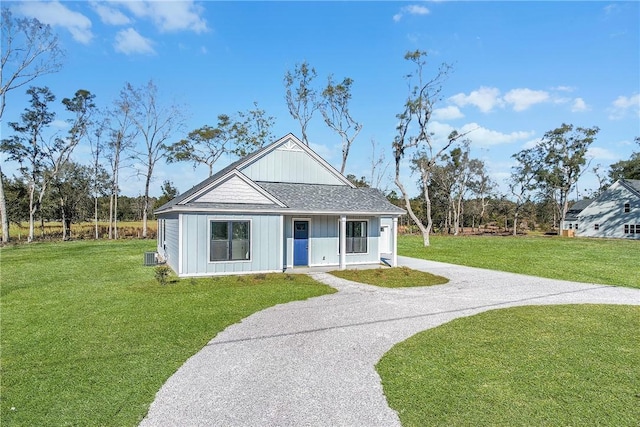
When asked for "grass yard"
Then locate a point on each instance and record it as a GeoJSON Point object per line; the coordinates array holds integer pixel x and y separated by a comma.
{"type": "Point", "coordinates": [605, 261]}
{"type": "Point", "coordinates": [545, 365]}
{"type": "Point", "coordinates": [399, 277]}
{"type": "Point", "coordinates": [89, 337]}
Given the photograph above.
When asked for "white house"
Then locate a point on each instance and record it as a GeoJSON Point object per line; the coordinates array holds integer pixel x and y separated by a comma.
{"type": "Point", "coordinates": [615, 213]}
{"type": "Point", "coordinates": [278, 208]}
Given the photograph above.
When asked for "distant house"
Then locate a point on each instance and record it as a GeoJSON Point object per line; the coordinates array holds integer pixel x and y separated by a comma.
{"type": "Point", "coordinates": [572, 219]}
{"type": "Point", "coordinates": [615, 213]}
{"type": "Point", "coordinates": [279, 208]}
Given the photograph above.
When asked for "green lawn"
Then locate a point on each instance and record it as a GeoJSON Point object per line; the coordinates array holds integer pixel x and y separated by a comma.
{"type": "Point", "coordinates": [89, 337]}
{"type": "Point", "coordinates": [551, 365]}
{"type": "Point", "coordinates": [605, 261]}
{"type": "Point", "coordinates": [400, 277]}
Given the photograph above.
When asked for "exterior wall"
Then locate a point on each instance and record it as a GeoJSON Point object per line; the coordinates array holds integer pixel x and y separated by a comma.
{"type": "Point", "coordinates": [290, 165]}
{"type": "Point", "coordinates": [265, 238]}
{"type": "Point", "coordinates": [387, 222]}
{"type": "Point", "coordinates": [607, 211]}
{"type": "Point", "coordinates": [168, 249]}
{"type": "Point", "coordinates": [324, 241]}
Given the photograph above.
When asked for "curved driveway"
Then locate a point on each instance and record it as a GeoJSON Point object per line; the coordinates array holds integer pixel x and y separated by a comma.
{"type": "Point", "coordinates": [312, 362]}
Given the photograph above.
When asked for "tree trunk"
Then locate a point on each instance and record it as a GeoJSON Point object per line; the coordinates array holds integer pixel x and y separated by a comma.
{"type": "Point", "coordinates": [515, 224]}
{"type": "Point", "coordinates": [145, 204]}
{"type": "Point", "coordinates": [64, 220]}
{"type": "Point", "coordinates": [4, 217]}
{"type": "Point", "coordinates": [32, 212]}
{"type": "Point", "coordinates": [95, 216]}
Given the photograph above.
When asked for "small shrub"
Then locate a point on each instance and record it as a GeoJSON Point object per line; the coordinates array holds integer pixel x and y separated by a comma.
{"type": "Point", "coordinates": [162, 274]}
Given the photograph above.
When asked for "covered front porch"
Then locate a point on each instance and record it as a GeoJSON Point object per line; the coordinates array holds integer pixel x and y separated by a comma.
{"type": "Point", "coordinates": [338, 241]}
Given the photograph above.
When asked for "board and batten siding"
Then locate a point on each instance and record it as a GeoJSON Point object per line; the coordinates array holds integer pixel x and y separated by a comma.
{"type": "Point", "coordinates": [290, 165]}
{"type": "Point", "coordinates": [169, 252]}
{"type": "Point", "coordinates": [324, 241]}
{"type": "Point", "coordinates": [607, 212]}
{"type": "Point", "coordinates": [265, 238]}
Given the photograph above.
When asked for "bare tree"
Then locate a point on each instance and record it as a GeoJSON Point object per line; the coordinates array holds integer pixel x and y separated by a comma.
{"type": "Point", "coordinates": [417, 138]}
{"type": "Point", "coordinates": [156, 124]}
{"type": "Point", "coordinates": [335, 110]}
{"type": "Point", "coordinates": [29, 50]}
{"type": "Point", "coordinates": [379, 167]}
{"type": "Point", "coordinates": [301, 96]}
{"type": "Point", "coordinates": [121, 135]}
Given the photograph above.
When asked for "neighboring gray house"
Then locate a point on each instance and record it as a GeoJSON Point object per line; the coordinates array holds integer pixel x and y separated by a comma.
{"type": "Point", "coordinates": [615, 213]}
{"type": "Point", "coordinates": [572, 219]}
{"type": "Point", "coordinates": [278, 208]}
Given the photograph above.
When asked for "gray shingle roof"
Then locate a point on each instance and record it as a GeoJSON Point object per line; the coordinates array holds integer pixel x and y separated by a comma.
{"type": "Point", "coordinates": [330, 198]}
{"type": "Point", "coordinates": [633, 183]}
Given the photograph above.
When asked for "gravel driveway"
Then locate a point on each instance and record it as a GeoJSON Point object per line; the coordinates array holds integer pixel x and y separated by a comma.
{"type": "Point", "coordinates": [311, 363]}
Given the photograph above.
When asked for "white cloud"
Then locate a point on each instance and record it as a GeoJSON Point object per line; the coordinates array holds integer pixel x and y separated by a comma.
{"type": "Point", "coordinates": [479, 136]}
{"type": "Point", "coordinates": [413, 9]}
{"type": "Point", "coordinates": [624, 106]}
{"type": "Point", "coordinates": [485, 98]}
{"type": "Point", "coordinates": [448, 113]}
{"type": "Point", "coordinates": [483, 137]}
{"type": "Point", "coordinates": [579, 106]}
{"type": "Point", "coordinates": [170, 16]}
{"type": "Point", "coordinates": [56, 14]}
{"type": "Point", "coordinates": [110, 15]}
{"type": "Point", "coordinates": [130, 42]}
{"type": "Point", "coordinates": [601, 154]}
{"type": "Point", "coordinates": [522, 99]}
{"type": "Point", "coordinates": [564, 88]}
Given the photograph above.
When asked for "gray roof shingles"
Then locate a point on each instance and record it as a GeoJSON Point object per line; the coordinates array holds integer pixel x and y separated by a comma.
{"type": "Point", "coordinates": [330, 198]}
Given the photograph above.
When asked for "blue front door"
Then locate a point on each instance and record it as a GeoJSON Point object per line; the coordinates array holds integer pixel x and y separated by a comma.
{"type": "Point", "coordinates": [300, 243]}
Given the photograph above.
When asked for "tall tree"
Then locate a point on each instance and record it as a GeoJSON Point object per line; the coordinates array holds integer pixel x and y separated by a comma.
{"type": "Point", "coordinates": [301, 96]}
{"type": "Point", "coordinates": [522, 182]}
{"type": "Point", "coordinates": [169, 191]}
{"type": "Point", "coordinates": [335, 110]}
{"type": "Point", "coordinates": [82, 106]}
{"type": "Point", "coordinates": [29, 50]}
{"type": "Point", "coordinates": [413, 133]}
{"type": "Point", "coordinates": [156, 124]}
{"type": "Point", "coordinates": [204, 145]}
{"type": "Point", "coordinates": [29, 148]}
{"type": "Point", "coordinates": [100, 178]}
{"type": "Point", "coordinates": [562, 156]}
{"type": "Point", "coordinates": [121, 136]}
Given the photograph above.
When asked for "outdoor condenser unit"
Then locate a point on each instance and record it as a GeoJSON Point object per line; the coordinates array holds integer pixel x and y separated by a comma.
{"type": "Point", "coordinates": [150, 258]}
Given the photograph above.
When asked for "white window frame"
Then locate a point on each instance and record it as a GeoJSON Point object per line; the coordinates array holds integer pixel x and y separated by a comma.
{"type": "Point", "coordinates": [211, 220]}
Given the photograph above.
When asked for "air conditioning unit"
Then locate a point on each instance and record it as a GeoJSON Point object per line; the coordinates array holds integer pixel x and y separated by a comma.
{"type": "Point", "coordinates": [150, 258]}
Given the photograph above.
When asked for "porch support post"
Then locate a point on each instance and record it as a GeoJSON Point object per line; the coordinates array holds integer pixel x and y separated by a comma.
{"type": "Point", "coordinates": [343, 242]}
{"type": "Point", "coordinates": [394, 256]}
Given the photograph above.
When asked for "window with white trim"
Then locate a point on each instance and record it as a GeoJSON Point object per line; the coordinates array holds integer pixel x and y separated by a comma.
{"type": "Point", "coordinates": [230, 241]}
{"type": "Point", "coordinates": [631, 228]}
{"type": "Point", "coordinates": [356, 237]}
{"type": "Point", "coordinates": [627, 207]}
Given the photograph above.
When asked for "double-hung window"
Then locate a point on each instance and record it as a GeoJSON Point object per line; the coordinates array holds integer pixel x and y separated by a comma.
{"type": "Point", "coordinates": [356, 237]}
{"type": "Point", "coordinates": [230, 241]}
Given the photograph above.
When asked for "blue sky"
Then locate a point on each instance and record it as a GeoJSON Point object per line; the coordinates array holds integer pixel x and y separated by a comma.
{"type": "Point", "coordinates": [519, 69]}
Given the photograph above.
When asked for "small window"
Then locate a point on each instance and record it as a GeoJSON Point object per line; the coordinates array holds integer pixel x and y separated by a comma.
{"type": "Point", "coordinates": [230, 241]}
{"type": "Point", "coordinates": [596, 226]}
{"type": "Point", "coordinates": [576, 226]}
{"type": "Point", "coordinates": [570, 226]}
{"type": "Point", "coordinates": [627, 208]}
{"type": "Point", "coordinates": [626, 229]}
